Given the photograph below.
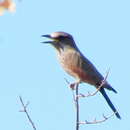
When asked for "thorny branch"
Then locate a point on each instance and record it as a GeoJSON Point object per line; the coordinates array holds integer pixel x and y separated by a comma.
{"type": "Point", "coordinates": [26, 112]}
{"type": "Point", "coordinates": [76, 96]}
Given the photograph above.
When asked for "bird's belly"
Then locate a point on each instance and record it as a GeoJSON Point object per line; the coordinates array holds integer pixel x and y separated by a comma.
{"type": "Point", "coordinates": [78, 73]}
{"type": "Point", "coordinates": [75, 70]}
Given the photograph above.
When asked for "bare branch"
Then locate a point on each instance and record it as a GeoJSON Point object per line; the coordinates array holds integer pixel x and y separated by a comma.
{"type": "Point", "coordinates": [75, 86]}
{"type": "Point", "coordinates": [77, 106]}
{"type": "Point", "coordinates": [73, 94]}
{"type": "Point", "coordinates": [96, 121]}
{"type": "Point", "coordinates": [26, 112]}
{"type": "Point", "coordinates": [76, 96]}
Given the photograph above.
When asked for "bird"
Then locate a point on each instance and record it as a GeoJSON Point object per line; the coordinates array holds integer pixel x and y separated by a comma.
{"type": "Point", "coordinates": [77, 65]}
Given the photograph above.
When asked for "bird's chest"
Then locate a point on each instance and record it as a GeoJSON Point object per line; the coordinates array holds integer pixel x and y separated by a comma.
{"type": "Point", "coordinates": [70, 62]}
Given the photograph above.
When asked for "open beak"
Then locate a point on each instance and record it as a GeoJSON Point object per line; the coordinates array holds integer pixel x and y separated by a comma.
{"type": "Point", "coordinates": [47, 36]}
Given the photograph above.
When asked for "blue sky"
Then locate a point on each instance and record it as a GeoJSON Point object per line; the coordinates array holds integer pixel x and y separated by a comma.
{"type": "Point", "coordinates": [28, 68]}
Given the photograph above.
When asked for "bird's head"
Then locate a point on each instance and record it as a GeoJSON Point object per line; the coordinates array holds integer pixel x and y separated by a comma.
{"type": "Point", "coordinates": [60, 40]}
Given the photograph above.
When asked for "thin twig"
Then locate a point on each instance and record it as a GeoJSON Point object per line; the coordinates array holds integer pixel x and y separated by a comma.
{"type": "Point", "coordinates": [77, 106]}
{"type": "Point", "coordinates": [26, 112]}
{"type": "Point", "coordinates": [76, 100]}
{"type": "Point", "coordinates": [97, 121]}
{"type": "Point", "coordinates": [98, 89]}
{"type": "Point", "coordinates": [73, 94]}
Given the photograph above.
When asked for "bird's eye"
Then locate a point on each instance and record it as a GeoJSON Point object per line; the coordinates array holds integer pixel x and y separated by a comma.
{"type": "Point", "coordinates": [61, 37]}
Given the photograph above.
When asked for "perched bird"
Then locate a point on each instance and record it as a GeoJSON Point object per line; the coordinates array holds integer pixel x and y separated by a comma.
{"type": "Point", "coordinates": [77, 65]}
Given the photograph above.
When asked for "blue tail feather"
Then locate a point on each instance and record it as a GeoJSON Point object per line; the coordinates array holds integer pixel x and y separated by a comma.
{"type": "Point", "coordinates": [109, 103]}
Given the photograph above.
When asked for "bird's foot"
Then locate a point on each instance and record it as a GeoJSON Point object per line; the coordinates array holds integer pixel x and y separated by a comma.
{"type": "Point", "coordinates": [72, 86]}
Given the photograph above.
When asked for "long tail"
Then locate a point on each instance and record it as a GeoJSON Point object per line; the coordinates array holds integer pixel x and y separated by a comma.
{"type": "Point", "coordinates": [109, 102]}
